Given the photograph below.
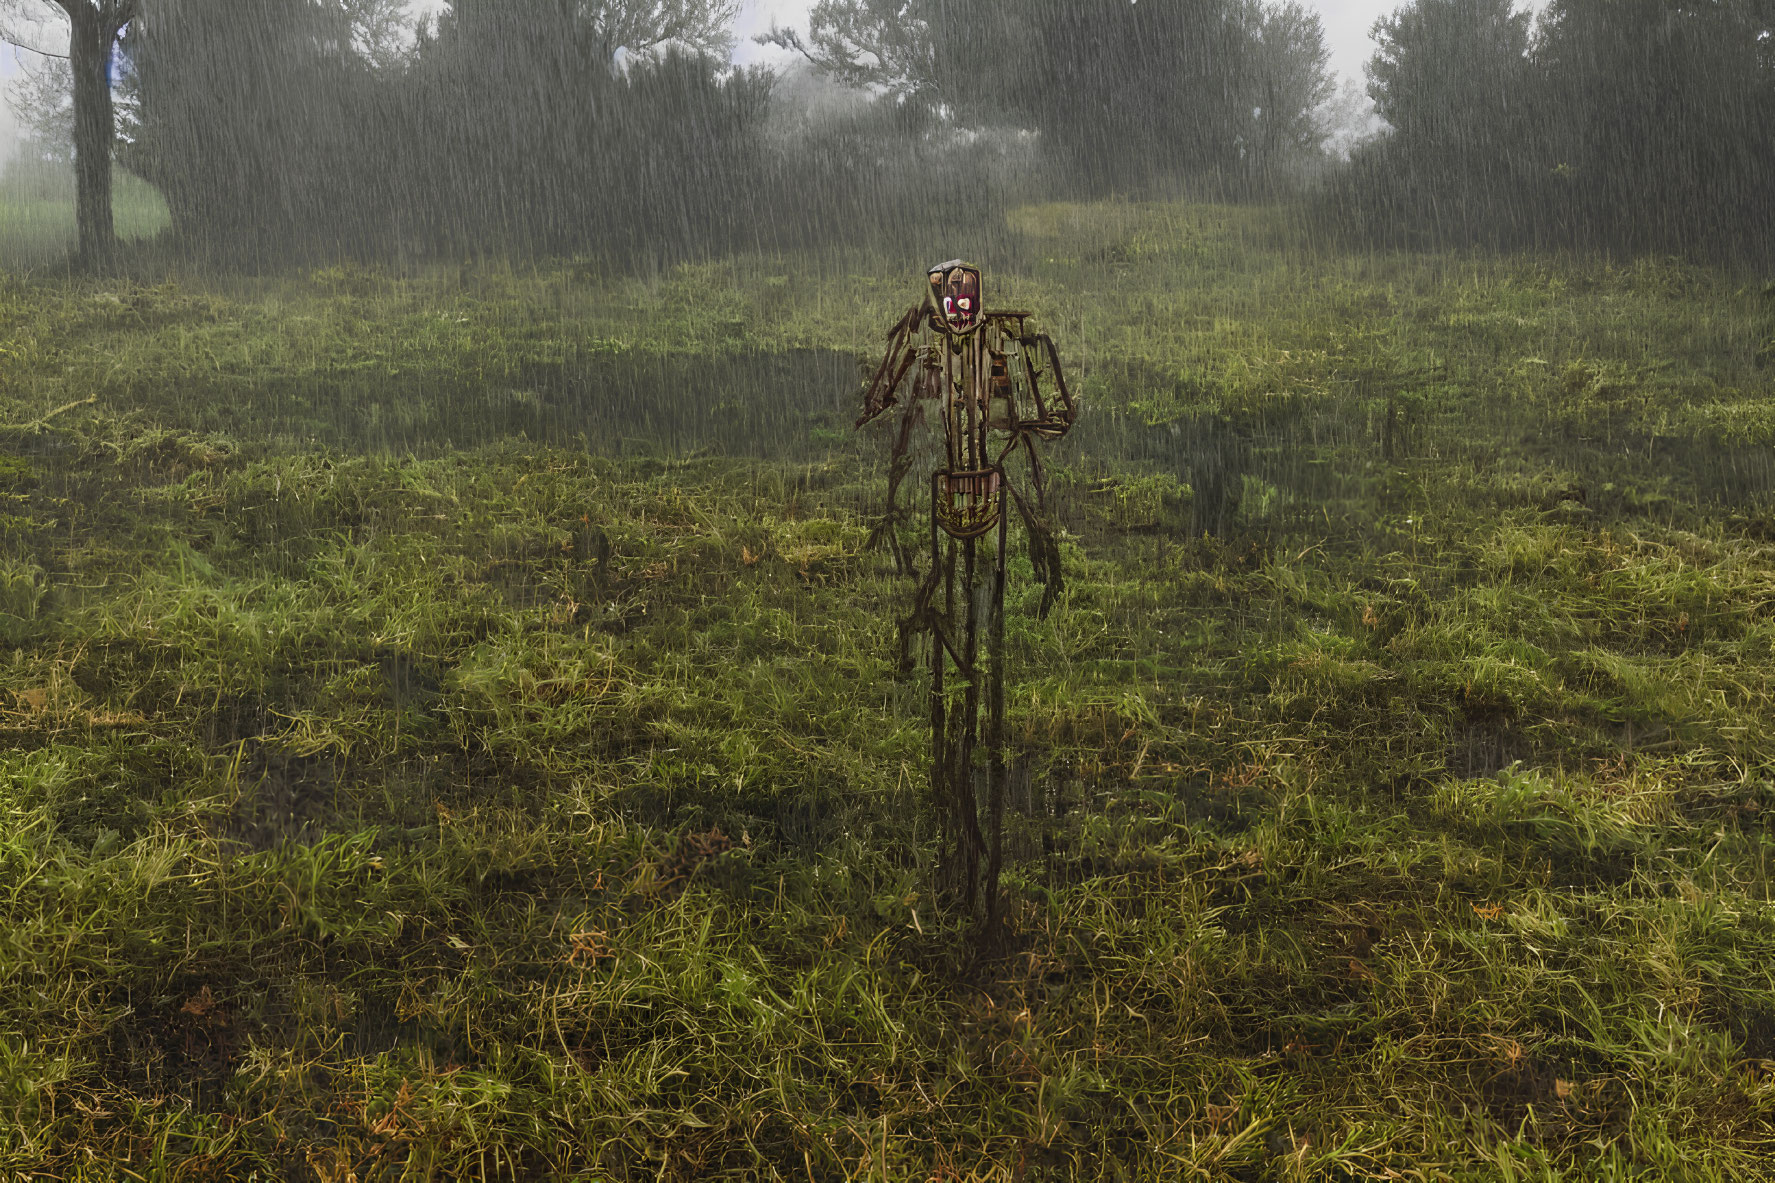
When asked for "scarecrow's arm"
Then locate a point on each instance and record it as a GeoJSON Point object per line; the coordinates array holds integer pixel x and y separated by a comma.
{"type": "Point", "coordinates": [1039, 360]}
{"type": "Point", "coordinates": [879, 395]}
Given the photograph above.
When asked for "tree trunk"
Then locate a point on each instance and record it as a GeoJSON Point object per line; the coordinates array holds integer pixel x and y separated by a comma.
{"type": "Point", "coordinates": [89, 52]}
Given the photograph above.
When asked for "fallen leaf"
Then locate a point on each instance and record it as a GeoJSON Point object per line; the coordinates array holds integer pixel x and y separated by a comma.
{"type": "Point", "coordinates": [200, 1004]}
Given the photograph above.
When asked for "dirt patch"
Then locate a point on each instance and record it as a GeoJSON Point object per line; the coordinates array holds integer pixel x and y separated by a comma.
{"type": "Point", "coordinates": [1485, 746]}
{"type": "Point", "coordinates": [1522, 1082]}
{"type": "Point", "coordinates": [283, 798]}
{"type": "Point", "coordinates": [187, 1045]}
{"type": "Point", "coordinates": [409, 681]}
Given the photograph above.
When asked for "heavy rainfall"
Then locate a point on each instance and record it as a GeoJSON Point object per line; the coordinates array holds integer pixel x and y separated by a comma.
{"type": "Point", "coordinates": [887, 590]}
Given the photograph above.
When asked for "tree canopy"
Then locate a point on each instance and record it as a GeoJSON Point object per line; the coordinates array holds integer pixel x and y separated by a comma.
{"type": "Point", "coordinates": [1639, 124]}
{"type": "Point", "coordinates": [1123, 94]}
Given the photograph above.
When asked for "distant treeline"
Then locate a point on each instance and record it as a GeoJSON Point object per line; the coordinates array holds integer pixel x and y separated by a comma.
{"type": "Point", "coordinates": [281, 129]}
{"type": "Point", "coordinates": [1637, 125]}
{"type": "Point", "coordinates": [274, 129]}
{"type": "Point", "coordinates": [292, 127]}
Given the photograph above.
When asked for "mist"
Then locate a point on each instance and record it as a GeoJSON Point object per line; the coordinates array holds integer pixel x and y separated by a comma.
{"type": "Point", "coordinates": [10, 131]}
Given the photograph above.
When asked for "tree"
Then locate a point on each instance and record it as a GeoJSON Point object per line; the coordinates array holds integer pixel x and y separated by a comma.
{"type": "Point", "coordinates": [1451, 73]}
{"type": "Point", "coordinates": [1288, 83]}
{"type": "Point", "coordinates": [1454, 81]}
{"type": "Point", "coordinates": [43, 99]}
{"type": "Point", "coordinates": [1346, 120]}
{"type": "Point", "coordinates": [1667, 116]}
{"type": "Point", "coordinates": [532, 125]}
{"type": "Point", "coordinates": [552, 147]}
{"type": "Point", "coordinates": [1623, 124]}
{"type": "Point", "coordinates": [596, 31]}
{"type": "Point", "coordinates": [1122, 93]}
{"type": "Point", "coordinates": [1129, 93]}
{"type": "Point", "coordinates": [93, 30]}
{"type": "Point", "coordinates": [885, 45]}
{"type": "Point", "coordinates": [252, 113]}
{"type": "Point", "coordinates": [381, 30]}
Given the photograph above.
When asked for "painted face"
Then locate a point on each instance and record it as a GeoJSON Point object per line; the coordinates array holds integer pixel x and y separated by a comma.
{"type": "Point", "coordinates": [956, 292]}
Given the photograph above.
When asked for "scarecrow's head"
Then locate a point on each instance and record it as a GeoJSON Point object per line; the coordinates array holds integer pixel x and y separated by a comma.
{"type": "Point", "coordinates": [955, 294]}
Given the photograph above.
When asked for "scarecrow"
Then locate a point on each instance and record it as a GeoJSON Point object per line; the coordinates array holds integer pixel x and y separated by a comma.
{"type": "Point", "coordinates": [983, 373]}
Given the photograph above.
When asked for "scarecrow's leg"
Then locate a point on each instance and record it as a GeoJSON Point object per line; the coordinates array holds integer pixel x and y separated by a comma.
{"type": "Point", "coordinates": [921, 619]}
{"type": "Point", "coordinates": [1044, 553]}
{"type": "Point", "coordinates": [951, 740]}
{"type": "Point", "coordinates": [969, 732]}
{"type": "Point", "coordinates": [995, 720]}
{"type": "Point", "coordinates": [941, 796]}
{"type": "Point", "coordinates": [1035, 473]}
{"type": "Point", "coordinates": [899, 463]}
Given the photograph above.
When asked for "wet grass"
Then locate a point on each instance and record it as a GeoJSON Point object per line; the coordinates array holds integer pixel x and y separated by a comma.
{"type": "Point", "coordinates": [418, 762]}
{"type": "Point", "coordinates": [37, 214]}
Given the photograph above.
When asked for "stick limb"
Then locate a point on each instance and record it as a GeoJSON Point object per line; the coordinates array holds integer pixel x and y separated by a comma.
{"type": "Point", "coordinates": [995, 723]}
{"type": "Point", "coordinates": [1044, 553]}
{"type": "Point", "coordinates": [879, 395]}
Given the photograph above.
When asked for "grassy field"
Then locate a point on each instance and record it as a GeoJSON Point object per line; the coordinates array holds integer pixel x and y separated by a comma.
{"type": "Point", "coordinates": [37, 214]}
{"type": "Point", "coordinates": [451, 727]}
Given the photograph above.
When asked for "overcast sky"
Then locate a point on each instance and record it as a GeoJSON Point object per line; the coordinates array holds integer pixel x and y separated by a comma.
{"type": "Point", "coordinates": [1347, 23]}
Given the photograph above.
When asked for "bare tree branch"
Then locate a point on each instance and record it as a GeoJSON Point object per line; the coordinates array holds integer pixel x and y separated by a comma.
{"type": "Point", "coordinates": [867, 44]}
{"type": "Point", "coordinates": [31, 48]}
